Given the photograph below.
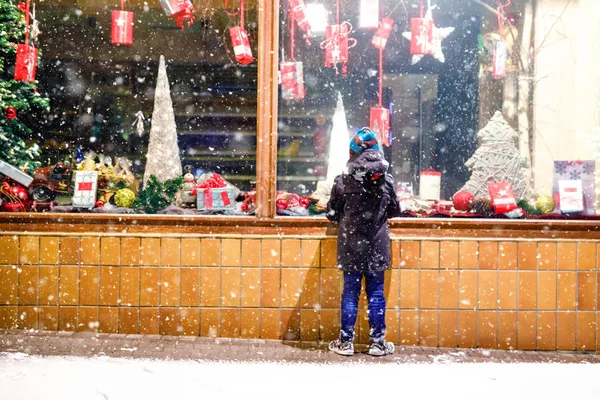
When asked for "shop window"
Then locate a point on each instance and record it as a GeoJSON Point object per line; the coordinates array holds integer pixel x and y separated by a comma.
{"type": "Point", "coordinates": [102, 97]}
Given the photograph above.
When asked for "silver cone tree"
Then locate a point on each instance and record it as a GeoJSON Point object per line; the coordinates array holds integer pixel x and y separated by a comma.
{"type": "Point", "coordinates": [162, 159]}
{"type": "Point", "coordinates": [497, 159]}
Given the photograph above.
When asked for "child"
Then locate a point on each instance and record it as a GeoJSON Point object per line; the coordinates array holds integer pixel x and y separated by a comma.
{"type": "Point", "coordinates": [362, 200]}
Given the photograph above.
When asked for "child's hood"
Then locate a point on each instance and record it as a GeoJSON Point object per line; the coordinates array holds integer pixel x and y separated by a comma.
{"type": "Point", "coordinates": [369, 163]}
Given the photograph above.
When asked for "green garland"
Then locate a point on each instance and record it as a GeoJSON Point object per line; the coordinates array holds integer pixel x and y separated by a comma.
{"type": "Point", "coordinates": [528, 208]}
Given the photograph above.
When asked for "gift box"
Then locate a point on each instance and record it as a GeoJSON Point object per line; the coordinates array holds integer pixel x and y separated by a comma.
{"type": "Point", "coordinates": [299, 11]}
{"type": "Point", "coordinates": [380, 123]}
{"type": "Point", "coordinates": [336, 44]}
{"type": "Point", "coordinates": [383, 33]}
{"type": "Point", "coordinates": [503, 197]}
{"type": "Point", "coordinates": [583, 170]}
{"type": "Point", "coordinates": [570, 194]}
{"type": "Point", "coordinates": [26, 64]}
{"type": "Point", "coordinates": [500, 55]}
{"type": "Point", "coordinates": [216, 198]}
{"type": "Point", "coordinates": [429, 184]}
{"type": "Point", "coordinates": [179, 10]}
{"type": "Point", "coordinates": [122, 27]}
{"type": "Point", "coordinates": [241, 45]}
{"type": "Point", "coordinates": [85, 189]}
{"type": "Point", "coordinates": [292, 80]}
{"type": "Point", "coordinates": [421, 30]}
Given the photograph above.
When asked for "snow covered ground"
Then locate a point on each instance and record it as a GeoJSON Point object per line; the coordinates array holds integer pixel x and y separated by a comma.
{"type": "Point", "coordinates": [101, 378]}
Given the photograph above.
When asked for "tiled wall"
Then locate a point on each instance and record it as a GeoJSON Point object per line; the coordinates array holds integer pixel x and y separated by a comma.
{"type": "Point", "coordinates": [493, 294]}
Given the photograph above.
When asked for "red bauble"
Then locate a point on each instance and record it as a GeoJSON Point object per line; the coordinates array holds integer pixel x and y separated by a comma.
{"type": "Point", "coordinates": [99, 204]}
{"type": "Point", "coordinates": [282, 204]}
{"type": "Point", "coordinates": [19, 192]}
{"type": "Point", "coordinates": [462, 200]}
{"type": "Point", "coordinates": [10, 112]}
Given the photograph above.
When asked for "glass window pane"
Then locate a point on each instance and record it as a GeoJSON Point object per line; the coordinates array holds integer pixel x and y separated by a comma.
{"type": "Point", "coordinates": [102, 95]}
{"type": "Point", "coordinates": [467, 93]}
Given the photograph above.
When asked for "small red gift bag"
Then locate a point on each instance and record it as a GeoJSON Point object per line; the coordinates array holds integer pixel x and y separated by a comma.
{"type": "Point", "coordinates": [122, 26]}
{"type": "Point", "coordinates": [503, 198]}
{"type": "Point", "coordinates": [421, 39]}
{"type": "Point", "coordinates": [383, 33]}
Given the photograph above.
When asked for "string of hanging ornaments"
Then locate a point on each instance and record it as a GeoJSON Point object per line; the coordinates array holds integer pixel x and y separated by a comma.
{"type": "Point", "coordinates": [27, 55]}
{"type": "Point", "coordinates": [239, 37]}
{"type": "Point", "coordinates": [426, 38]}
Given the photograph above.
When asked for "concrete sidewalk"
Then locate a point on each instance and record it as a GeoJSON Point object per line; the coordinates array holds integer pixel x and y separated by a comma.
{"type": "Point", "coordinates": [245, 350]}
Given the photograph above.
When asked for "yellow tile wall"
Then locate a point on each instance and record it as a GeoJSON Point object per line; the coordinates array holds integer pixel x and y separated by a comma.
{"type": "Point", "coordinates": [507, 294]}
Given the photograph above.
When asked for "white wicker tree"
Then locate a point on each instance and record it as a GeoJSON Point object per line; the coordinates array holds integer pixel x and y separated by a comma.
{"type": "Point", "coordinates": [497, 160]}
{"type": "Point", "coordinates": [162, 159]}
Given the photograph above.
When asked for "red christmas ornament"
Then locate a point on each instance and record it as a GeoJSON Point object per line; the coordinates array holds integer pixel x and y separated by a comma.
{"type": "Point", "coordinates": [22, 6]}
{"type": "Point", "coordinates": [383, 33]}
{"type": "Point", "coordinates": [462, 200]}
{"type": "Point", "coordinates": [10, 112]}
{"type": "Point", "coordinates": [99, 204]}
{"type": "Point", "coordinates": [182, 11]}
{"type": "Point", "coordinates": [281, 204]}
{"type": "Point", "coordinates": [122, 26]}
{"type": "Point", "coordinates": [19, 192]}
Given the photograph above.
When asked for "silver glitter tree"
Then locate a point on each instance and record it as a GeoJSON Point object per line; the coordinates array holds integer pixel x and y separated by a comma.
{"type": "Point", "coordinates": [162, 159]}
{"type": "Point", "coordinates": [497, 160]}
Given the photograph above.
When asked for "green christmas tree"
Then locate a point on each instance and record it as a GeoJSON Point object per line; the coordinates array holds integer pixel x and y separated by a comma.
{"type": "Point", "coordinates": [16, 146]}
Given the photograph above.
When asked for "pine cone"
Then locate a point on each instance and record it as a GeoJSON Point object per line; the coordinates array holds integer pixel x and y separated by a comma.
{"type": "Point", "coordinates": [481, 206]}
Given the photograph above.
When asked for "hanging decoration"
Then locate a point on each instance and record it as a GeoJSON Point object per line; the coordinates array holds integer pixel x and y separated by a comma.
{"type": "Point", "coordinates": [383, 33]}
{"type": "Point", "coordinates": [239, 38]}
{"type": "Point", "coordinates": [292, 74]}
{"type": "Point", "coordinates": [122, 26]}
{"type": "Point", "coordinates": [380, 116]}
{"type": "Point", "coordinates": [298, 9]}
{"type": "Point", "coordinates": [337, 43]}
{"type": "Point", "coordinates": [10, 113]}
{"type": "Point", "coordinates": [182, 11]}
{"type": "Point", "coordinates": [501, 48]}
{"type": "Point", "coordinates": [27, 55]}
{"type": "Point", "coordinates": [139, 123]}
{"type": "Point", "coordinates": [368, 14]}
{"type": "Point", "coordinates": [425, 38]}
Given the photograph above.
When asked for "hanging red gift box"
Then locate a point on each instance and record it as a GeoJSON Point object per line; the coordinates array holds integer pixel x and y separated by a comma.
{"type": "Point", "coordinates": [292, 80]}
{"type": "Point", "coordinates": [180, 10]}
{"type": "Point", "coordinates": [241, 45]}
{"type": "Point", "coordinates": [380, 122]}
{"type": "Point", "coordinates": [369, 14]}
{"type": "Point", "coordinates": [421, 30]}
{"type": "Point", "coordinates": [122, 26]}
{"type": "Point", "coordinates": [503, 198]}
{"type": "Point", "coordinates": [383, 33]}
{"type": "Point", "coordinates": [336, 44]}
{"type": "Point", "coordinates": [500, 54]}
{"type": "Point", "coordinates": [299, 10]}
{"type": "Point", "coordinates": [26, 65]}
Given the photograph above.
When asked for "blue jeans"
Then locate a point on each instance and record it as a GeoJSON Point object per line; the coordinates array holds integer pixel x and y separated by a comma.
{"type": "Point", "coordinates": [352, 286]}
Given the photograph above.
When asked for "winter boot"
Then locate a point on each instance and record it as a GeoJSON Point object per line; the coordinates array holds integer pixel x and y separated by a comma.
{"type": "Point", "coordinates": [342, 348]}
{"type": "Point", "coordinates": [381, 348]}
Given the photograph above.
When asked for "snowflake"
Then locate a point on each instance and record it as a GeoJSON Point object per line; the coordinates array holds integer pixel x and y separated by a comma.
{"type": "Point", "coordinates": [589, 169]}
{"type": "Point", "coordinates": [575, 175]}
{"type": "Point", "coordinates": [560, 168]}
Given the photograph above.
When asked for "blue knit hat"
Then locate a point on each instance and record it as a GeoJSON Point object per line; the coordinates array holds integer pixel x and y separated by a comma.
{"type": "Point", "coordinates": [364, 139]}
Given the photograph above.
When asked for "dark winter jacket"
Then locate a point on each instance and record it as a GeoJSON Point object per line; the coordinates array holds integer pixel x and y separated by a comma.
{"type": "Point", "coordinates": [361, 202]}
